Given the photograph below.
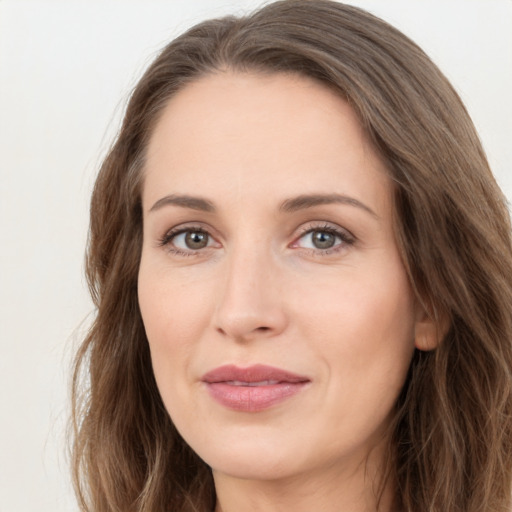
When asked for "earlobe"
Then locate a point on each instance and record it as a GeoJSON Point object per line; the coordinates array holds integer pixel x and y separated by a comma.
{"type": "Point", "coordinates": [429, 330]}
{"type": "Point", "coordinates": [426, 336]}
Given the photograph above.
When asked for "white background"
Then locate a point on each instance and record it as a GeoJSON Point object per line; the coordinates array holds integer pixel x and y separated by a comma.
{"type": "Point", "coordinates": [66, 68]}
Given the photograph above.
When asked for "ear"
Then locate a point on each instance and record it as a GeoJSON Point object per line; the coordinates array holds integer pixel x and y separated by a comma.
{"type": "Point", "coordinates": [429, 329]}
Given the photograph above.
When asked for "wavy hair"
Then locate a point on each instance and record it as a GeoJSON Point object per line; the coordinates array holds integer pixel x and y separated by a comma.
{"type": "Point", "coordinates": [451, 444]}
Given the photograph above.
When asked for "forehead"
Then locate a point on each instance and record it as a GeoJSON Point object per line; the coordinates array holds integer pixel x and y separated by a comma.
{"type": "Point", "coordinates": [278, 133]}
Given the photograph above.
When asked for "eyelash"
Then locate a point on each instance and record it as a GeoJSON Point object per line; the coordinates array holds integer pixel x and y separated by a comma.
{"type": "Point", "coordinates": [347, 239]}
{"type": "Point", "coordinates": [166, 240]}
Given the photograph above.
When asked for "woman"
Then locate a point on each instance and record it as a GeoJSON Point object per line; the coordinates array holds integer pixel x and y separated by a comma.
{"type": "Point", "coordinates": [302, 269]}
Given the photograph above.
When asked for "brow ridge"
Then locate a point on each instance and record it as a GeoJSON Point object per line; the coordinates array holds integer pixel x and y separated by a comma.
{"type": "Point", "coordinates": [185, 201]}
{"type": "Point", "coordinates": [311, 200]}
{"type": "Point", "coordinates": [291, 205]}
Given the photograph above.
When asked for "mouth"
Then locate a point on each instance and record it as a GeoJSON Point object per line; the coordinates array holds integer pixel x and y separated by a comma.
{"type": "Point", "coordinates": [254, 388]}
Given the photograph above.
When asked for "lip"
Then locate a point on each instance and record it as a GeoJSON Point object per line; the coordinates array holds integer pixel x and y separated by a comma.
{"type": "Point", "coordinates": [254, 388]}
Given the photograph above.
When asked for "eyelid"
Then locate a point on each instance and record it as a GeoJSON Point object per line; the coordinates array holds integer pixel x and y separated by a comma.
{"type": "Point", "coordinates": [346, 237]}
{"type": "Point", "coordinates": [166, 239]}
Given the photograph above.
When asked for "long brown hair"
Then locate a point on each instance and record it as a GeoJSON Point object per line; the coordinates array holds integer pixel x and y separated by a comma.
{"type": "Point", "coordinates": [452, 432]}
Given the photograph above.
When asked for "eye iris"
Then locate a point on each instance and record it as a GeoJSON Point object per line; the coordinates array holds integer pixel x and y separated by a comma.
{"type": "Point", "coordinates": [323, 239]}
{"type": "Point", "coordinates": [196, 240]}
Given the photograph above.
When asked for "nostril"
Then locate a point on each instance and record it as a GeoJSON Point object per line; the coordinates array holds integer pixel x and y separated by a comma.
{"type": "Point", "coordinates": [262, 329]}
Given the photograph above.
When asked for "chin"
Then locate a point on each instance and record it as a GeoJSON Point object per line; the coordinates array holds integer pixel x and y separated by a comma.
{"type": "Point", "coordinates": [252, 459]}
{"type": "Point", "coordinates": [252, 467]}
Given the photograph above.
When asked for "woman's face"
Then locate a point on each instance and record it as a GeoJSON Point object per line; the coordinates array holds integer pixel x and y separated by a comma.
{"type": "Point", "coordinates": [279, 315]}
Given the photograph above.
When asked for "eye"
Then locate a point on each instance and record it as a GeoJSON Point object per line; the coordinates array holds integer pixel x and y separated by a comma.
{"type": "Point", "coordinates": [187, 240]}
{"type": "Point", "coordinates": [320, 239]}
{"type": "Point", "coordinates": [193, 240]}
{"type": "Point", "coordinates": [326, 238]}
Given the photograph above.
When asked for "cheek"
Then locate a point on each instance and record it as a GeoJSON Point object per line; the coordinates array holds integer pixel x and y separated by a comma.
{"type": "Point", "coordinates": [175, 315]}
{"type": "Point", "coordinates": [366, 347]}
{"type": "Point", "coordinates": [364, 310]}
{"type": "Point", "coordinates": [174, 306]}
{"type": "Point", "coordinates": [364, 325]}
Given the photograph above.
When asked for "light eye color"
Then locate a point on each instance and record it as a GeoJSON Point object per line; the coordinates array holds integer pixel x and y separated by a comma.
{"type": "Point", "coordinates": [324, 239]}
{"type": "Point", "coordinates": [319, 239]}
{"type": "Point", "coordinates": [191, 239]}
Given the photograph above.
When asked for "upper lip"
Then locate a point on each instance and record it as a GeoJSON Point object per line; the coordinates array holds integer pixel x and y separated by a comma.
{"type": "Point", "coordinates": [251, 374]}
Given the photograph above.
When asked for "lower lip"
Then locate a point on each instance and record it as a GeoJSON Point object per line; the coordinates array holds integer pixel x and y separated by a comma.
{"type": "Point", "coordinates": [253, 398]}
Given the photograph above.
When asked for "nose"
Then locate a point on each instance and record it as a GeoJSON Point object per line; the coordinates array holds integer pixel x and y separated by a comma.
{"type": "Point", "coordinates": [250, 303]}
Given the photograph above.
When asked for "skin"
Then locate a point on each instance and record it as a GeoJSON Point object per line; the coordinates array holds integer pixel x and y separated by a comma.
{"type": "Point", "coordinates": [262, 291]}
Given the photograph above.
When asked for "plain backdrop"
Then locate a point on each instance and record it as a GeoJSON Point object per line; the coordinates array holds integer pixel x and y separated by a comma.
{"type": "Point", "coordinates": [66, 69]}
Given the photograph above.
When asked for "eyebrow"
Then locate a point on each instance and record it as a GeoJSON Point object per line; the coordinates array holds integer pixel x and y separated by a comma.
{"type": "Point", "coordinates": [311, 200]}
{"type": "Point", "coordinates": [294, 204]}
{"type": "Point", "coordinates": [193, 203]}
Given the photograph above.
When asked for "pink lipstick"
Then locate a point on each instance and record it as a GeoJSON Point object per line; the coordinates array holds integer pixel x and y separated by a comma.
{"type": "Point", "coordinates": [254, 388]}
